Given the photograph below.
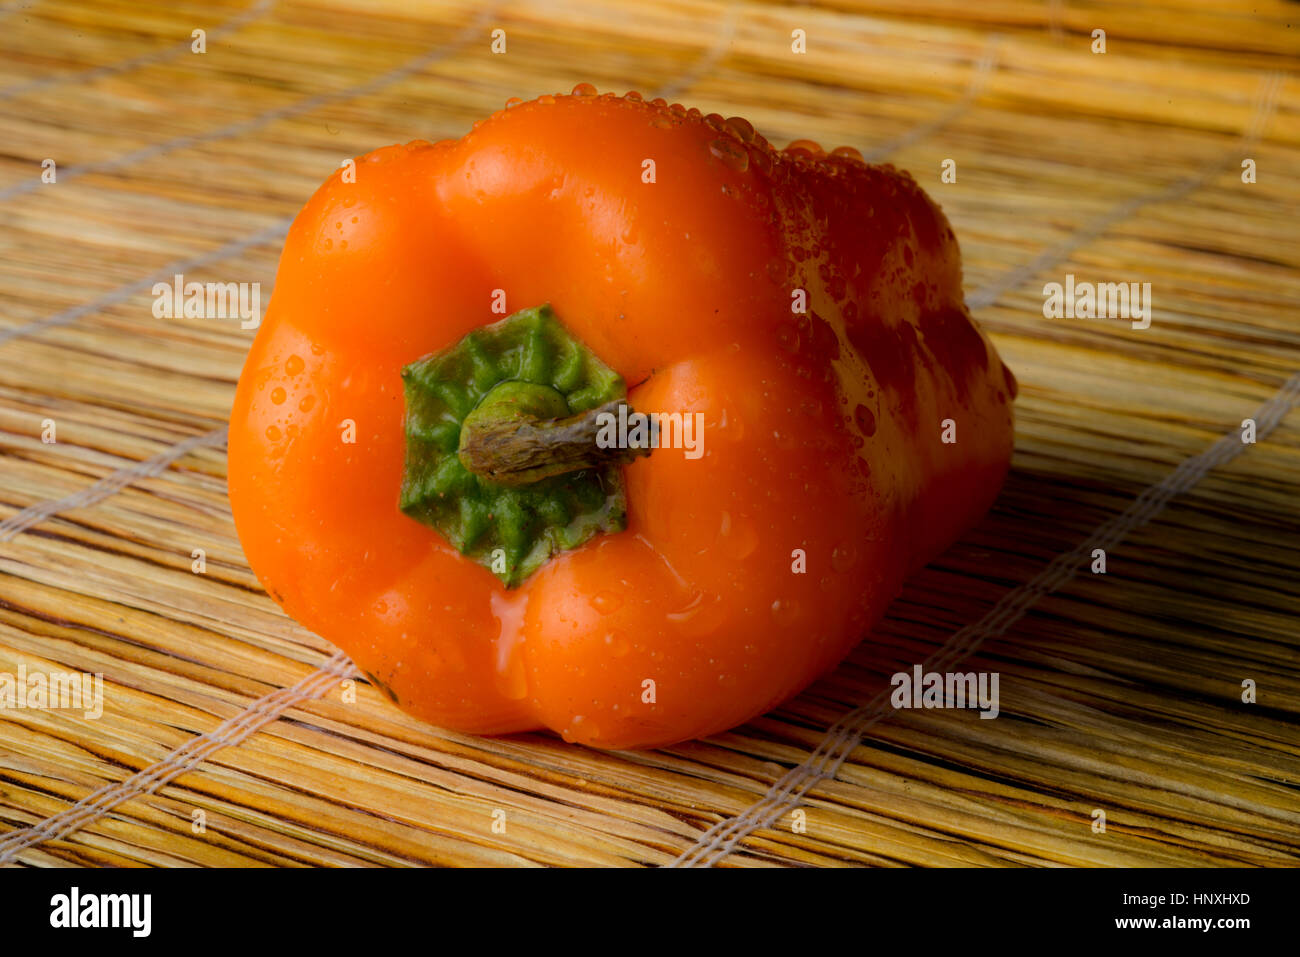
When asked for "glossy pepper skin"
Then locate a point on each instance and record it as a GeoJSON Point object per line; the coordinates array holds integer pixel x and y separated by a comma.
{"type": "Point", "coordinates": [743, 574]}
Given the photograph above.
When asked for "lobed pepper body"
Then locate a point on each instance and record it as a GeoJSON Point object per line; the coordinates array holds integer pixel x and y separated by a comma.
{"type": "Point", "coordinates": [807, 305]}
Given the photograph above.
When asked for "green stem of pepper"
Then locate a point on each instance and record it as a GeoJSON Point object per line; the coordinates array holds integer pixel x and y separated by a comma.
{"type": "Point", "coordinates": [502, 457]}
{"type": "Point", "coordinates": [516, 437]}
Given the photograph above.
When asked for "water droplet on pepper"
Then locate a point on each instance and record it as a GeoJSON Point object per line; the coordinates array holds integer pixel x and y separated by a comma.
{"type": "Point", "coordinates": [732, 156]}
{"type": "Point", "coordinates": [737, 538]}
{"type": "Point", "coordinates": [606, 602]}
{"type": "Point", "coordinates": [807, 146]}
{"type": "Point", "coordinates": [865, 420]}
{"type": "Point", "coordinates": [844, 556]}
{"type": "Point", "coordinates": [785, 612]}
{"type": "Point", "coordinates": [741, 127]}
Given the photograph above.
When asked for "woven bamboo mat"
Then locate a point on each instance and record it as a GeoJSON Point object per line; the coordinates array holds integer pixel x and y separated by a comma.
{"type": "Point", "coordinates": [231, 736]}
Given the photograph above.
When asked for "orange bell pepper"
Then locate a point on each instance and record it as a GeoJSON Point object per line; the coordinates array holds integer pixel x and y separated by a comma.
{"type": "Point", "coordinates": [808, 306]}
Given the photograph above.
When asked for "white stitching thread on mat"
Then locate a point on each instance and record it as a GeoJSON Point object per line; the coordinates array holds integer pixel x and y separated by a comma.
{"type": "Point", "coordinates": [275, 231]}
{"type": "Point", "coordinates": [109, 485]}
{"type": "Point", "coordinates": [843, 736]}
{"type": "Point", "coordinates": [707, 62]}
{"type": "Point", "coordinates": [296, 108]}
{"type": "Point", "coordinates": [988, 62]}
{"type": "Point", "coordinates": [1054, 18]}
{"type": "Point", "coordinates": [184, 758]}
{"type": "Point", "coordinates": [155, 56]}
{"type": "Point", "coordinates": [1265, 102]}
